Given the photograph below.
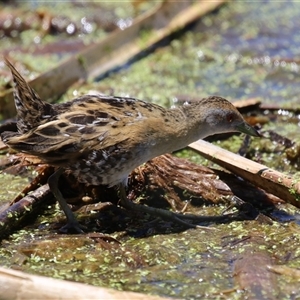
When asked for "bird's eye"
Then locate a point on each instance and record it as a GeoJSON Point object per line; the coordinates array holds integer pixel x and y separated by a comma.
{"type": "Point", "coordinates": [230, 118]}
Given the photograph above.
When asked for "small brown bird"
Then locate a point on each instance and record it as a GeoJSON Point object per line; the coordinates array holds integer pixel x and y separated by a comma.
{"type": "Point", "coordinates": [101, 139]}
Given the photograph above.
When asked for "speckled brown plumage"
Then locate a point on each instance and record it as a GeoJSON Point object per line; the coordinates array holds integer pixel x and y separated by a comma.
{"type": "Point", "coordinates": [101, 139]}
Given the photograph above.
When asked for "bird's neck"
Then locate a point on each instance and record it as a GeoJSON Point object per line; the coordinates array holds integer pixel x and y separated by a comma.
{"type": "Point", "coordinates": [184, 127]}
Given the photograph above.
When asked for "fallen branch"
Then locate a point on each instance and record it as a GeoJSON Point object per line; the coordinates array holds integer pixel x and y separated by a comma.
{"type": "Point", "coordinates": [14, 215]}
{"type": "Point", "coordinates": [19, 285]}
{"type": "Point", "coordinates": [273, 182]}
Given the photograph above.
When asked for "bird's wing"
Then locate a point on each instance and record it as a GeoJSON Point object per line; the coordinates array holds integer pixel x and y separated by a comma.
{"type": "Point", "coordinates": [90, 124]}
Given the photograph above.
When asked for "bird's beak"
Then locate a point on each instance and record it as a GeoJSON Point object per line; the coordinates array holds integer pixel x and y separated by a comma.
{"type": "Point", "coordinates": [248, 129]}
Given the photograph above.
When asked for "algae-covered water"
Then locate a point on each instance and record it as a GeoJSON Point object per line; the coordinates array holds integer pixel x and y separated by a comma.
{"type": "Point", "coordinates": [241, 51]}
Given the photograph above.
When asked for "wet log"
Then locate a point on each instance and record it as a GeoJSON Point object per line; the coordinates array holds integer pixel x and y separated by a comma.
{"type": "Point", "coordinates": [165, 181]}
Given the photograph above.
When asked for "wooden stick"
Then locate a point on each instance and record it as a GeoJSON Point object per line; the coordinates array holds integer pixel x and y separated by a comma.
{"type": "Point", "coordinates": [273, 182]}
{"type": "Point", "coordinates": [19, 285]}
{"type": "Point", "coordinates": [12, 217]}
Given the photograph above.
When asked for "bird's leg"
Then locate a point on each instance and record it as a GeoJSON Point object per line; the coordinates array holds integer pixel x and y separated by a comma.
{"type": "Point", "coordinates": [157, 212]}
{"type": "Point", "coordinates": [172, 216]}
{"type": "Point", "coordinates": [72, 224]}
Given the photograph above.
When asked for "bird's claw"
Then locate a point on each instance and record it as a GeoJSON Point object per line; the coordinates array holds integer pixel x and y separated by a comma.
{"type": "Point", "coordinates": [72, 227]}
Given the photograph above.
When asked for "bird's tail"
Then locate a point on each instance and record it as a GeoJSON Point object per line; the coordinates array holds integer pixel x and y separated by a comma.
{"type": "Point", "coordinates": [31, 109]}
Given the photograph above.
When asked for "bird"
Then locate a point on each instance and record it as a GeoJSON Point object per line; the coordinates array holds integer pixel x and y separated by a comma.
{"type": "Point", "coordinates": [100, 139]}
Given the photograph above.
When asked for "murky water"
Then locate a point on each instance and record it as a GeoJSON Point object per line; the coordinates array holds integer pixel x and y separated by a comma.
{"type": "Point", "coordinates": [246, 49]}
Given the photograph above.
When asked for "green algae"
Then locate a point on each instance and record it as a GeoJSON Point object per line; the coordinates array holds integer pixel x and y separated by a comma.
{"type": "Point", "coordinates": [11, 185]}
{"type": "Point", "coordinates": [190, 264]}
{"type": "Point", "coordinates": [29, 42]}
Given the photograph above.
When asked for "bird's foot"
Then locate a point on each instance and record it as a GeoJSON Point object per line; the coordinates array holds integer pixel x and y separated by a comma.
{"type": "Point", "coordinates": [73, 226]}
{"type": "Point", "coordinates": [186, 220]}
